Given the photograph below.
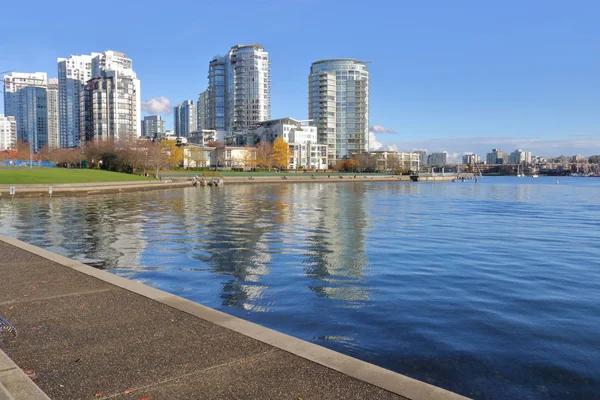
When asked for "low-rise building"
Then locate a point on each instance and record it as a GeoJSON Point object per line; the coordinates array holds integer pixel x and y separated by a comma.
{"type": "Point", "coordinates": [232, 157]}
{"type": "Point", "coordinates": [196, 156]}
{"type": "Point", "coordinates": [203, 137]}
{"type": "Point", "coordinates": [305, 150]}
{"type": "Point", "coordinates": [387, 161]}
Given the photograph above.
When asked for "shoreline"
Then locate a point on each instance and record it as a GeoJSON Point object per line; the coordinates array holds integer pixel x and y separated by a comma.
{"type": "Point", "coordinates": [180, 348]}
{"type": "Point", "coordinates": [84, 189]}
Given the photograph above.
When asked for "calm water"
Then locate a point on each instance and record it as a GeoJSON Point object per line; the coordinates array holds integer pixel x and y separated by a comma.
{"type": "Point", "coordinates": [491, 290]}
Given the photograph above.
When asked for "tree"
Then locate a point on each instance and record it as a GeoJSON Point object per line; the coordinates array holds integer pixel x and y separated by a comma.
{"type": "Point", "coordinates": [281, 153]}
{"type": "Point", "coordinates": [594, 160]}
{"type": "Point", "coordinates": [198, 156]}
{"type": "Point", "coordinates": [264, 153]}
{"type": "Point", "coordinates": [249, 157]}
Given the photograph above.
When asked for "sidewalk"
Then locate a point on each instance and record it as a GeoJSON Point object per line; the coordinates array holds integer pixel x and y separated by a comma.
{"type": "Point", "coordinates": [88, 334]}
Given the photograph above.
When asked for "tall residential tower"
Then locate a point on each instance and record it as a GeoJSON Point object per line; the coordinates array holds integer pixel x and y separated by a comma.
{"type": "Point", "coordinates": [110, 106]}
{"type": "Point", "coordinates": [239, 89]}
{"type": "Point", "coordinates": [25, 100]}
{"type": "Point", "coordinates": [184, 119]}
{"type": "Point", "coordinates": [338, 104]}
{"type": "Point", "coordinates": [73, 73]}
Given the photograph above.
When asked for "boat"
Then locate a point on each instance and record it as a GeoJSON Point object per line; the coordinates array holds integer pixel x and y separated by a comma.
{"type": "Point", "coordinates": [519, 174]}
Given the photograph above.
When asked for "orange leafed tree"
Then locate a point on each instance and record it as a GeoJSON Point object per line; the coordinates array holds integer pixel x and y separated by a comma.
{"type": "Point", "coordinates": [281, 153]}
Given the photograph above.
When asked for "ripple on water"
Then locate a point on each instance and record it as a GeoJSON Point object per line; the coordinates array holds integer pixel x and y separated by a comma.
{"type": "Point", "coordinates": [490, 290]}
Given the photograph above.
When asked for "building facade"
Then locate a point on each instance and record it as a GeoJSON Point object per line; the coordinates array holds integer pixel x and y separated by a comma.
{"type": "Point", "coordinates": [239, 89]}
{"type": "Point", "coordinates": [53, 99]}
{"type": "Point", "coordinates": [519, 157]}
{"type": "Point", "coordinates": [232, 157]}
{"type": "Point", "coordinates": [440, 158]}
{"type": "Point", "coordinates": [422, 156]}
{"type": "Point", "coordinates": [25, 100]}
{"type": "Point", "coordinates": [8, 133]}
{"type": "Point", "coordinates": [470, 159]}
{"type": "Point", "coordinates": [202, 111]}
{"type": "Point", "coordinates": [202, 137]}
{"type": "Point", "coordinates": [305, 150]}
{"type": "Point", "coordinates": [184, 118]}
{"type": "Point", "coordinates": [387, 161]}
{"type": "Point", "coordinates": [73, 73]}
{"type": "Point", "coordinates": [153, 126]}
{"type": "Point", "coordinates": [110, 106]}
{"type": "Point", "coordinates": [338, 104]}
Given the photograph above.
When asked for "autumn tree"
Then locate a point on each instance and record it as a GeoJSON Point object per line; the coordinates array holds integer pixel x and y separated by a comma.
{"type": "Point", "coordinates": [264, 155]}
{"type": "Point", "coordinates": [249, 157]}
{"type": "Point", "coordinates": [281, 153]}
{"type": "Point", "coordinates": [198, 156]}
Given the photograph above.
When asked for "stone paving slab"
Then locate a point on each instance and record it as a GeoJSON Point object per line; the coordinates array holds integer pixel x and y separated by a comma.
{"type": "Point", "coordinates": [95, 335]}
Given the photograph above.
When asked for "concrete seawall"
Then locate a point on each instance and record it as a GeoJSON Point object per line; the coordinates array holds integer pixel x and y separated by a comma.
{"type": "Point", "coordinates": [83, 189]}
{"type": "Point", "coordinates": [89, 334]}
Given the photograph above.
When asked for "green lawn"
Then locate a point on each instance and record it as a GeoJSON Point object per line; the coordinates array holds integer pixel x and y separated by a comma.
{"type": "Point", "coordinates": [18, 175]}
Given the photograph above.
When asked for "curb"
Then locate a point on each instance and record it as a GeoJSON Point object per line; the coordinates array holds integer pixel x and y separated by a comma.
{"type": "Point", "coordinates": [15, 384]}
{"type": "Point", "coordinates": [391, 381]}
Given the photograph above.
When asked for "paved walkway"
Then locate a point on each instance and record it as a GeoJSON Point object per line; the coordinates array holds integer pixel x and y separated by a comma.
{"type": "Point", "coordinates": [84, 189]}
{"type": "Point", "coordinates": [88, 334]}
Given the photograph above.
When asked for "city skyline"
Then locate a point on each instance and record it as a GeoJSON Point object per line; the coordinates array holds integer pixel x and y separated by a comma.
{"type": "Point", "coordinates": [464, 77]}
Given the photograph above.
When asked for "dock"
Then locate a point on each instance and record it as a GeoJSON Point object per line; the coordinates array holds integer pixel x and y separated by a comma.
{"type": "Point", "coordinates": [85, 333]}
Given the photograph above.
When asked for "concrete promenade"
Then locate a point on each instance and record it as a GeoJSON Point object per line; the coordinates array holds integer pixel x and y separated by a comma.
{"type": "Point", "coordinates": [84, 189]}
{"type": "Point", "coordinates": [88, 334]}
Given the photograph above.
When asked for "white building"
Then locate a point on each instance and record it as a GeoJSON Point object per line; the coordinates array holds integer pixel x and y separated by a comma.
{"type": "Point", "coordinates": [8, 133]}
{"type": "Point", "coordinates": [232, 157]}
{"type": "Point", "coordinates": [338, 105]}
{"type": "Point", "coordinates": [184, 118]}
{"type": "Point", "coordinates": [52, 98]}
{"type": "Point", "coordinates": [302, 138]}
{"type": "Point", "coordinates": [73, 73]}
{"type": "Point", "coordinates": [110, 105]}
{"type": "Point", "coordinates": [470, 159]}
{"type": "Point", "coordinates": [437, 158]}
{"type": "Point", "coordinates": [239, 89]}
{"type": "Point", "coordinates": [203, 137]}
{"type": "Point", "coordinates": [387, 161]}
{"type": "Point", "coordinates": [519, 157]}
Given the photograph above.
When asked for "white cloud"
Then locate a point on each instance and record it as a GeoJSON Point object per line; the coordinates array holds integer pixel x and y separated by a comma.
{"type": "Point", "coordinates": [157, 105]}
{"type": "Point", "coordinates": [373, 143]}
{"type": "Point", "coordinates": [381, 129]}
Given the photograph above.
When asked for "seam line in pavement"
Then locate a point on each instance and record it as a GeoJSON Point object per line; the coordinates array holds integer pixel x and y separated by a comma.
{"type": "Point", "coordinates": [203, 370]}
{"type": "Point", "coordinates": [58, 296]}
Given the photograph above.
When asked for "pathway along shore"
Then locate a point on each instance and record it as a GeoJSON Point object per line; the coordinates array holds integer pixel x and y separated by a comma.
{"type": "Point", "coordinates": [88, 334]}
{"type": "Point", "coordinates": [83, 189]}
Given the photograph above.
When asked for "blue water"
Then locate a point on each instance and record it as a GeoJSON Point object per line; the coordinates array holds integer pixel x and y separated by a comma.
{"type": "Point", "coordinates": [488, 289]}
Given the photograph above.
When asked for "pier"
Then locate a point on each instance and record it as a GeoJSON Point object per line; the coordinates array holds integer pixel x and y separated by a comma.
{"type": "Point", "coordinates": [88, 334]}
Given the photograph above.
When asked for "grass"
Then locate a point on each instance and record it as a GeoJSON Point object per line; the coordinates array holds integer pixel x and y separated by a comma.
{"type": "Point", "coordinates": [17, 175]}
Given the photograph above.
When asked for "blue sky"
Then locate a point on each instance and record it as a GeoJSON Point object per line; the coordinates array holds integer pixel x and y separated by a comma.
{"type": "Point", "coordinates": [458, 75]}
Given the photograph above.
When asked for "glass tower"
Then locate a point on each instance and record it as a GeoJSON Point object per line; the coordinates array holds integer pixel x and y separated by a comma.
{"type": "Point", "coordinates": [239, 89]}
{"type": "Point", "coordinates": [338, 104]}
{"type": "Point", "coordinates": [25, 100]}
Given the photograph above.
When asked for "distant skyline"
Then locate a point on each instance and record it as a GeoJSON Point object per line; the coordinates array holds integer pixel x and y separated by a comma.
{"type": "Point", "coordinates": [463, 76]}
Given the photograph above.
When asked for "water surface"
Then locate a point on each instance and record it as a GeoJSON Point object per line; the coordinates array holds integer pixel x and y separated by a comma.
{"type": "Point", "coordinates": [491, 290]}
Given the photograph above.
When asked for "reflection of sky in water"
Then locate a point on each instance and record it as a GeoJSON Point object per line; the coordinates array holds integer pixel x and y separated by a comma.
{"type": "Point", "coordinates": [488, 289]}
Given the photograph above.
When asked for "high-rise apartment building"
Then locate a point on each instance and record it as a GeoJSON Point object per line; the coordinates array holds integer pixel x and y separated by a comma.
{"type": "Point", "coordinates": [471, 159]}
{"type": "Point", "coordinates": [52, 97]}
{"type": "Point", "coordinates": [8, 133]}
{"type": "Point", "coordinates": [202, 111]}
{"type": "Point", "coordinates": [437, 158]}
{"type": "Point", "coordinates": [110, 106]}
{"type": "Point", "coordinates": [25, 100]}
{"type": "Point", "coordinates": [184, 118]}
{"type": "Point", "coordinates": [338, 104]}
{"type": "Point", "coordinates": [422, 156]}
{"type": "Point", "coordinates": [519, 157]}
{"type": "Point", "coordinates": [153, 126]}
{"type": "Point", "coordinates": [239, 89]}
{"type": "Point", "coordinates": [73, 73]}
